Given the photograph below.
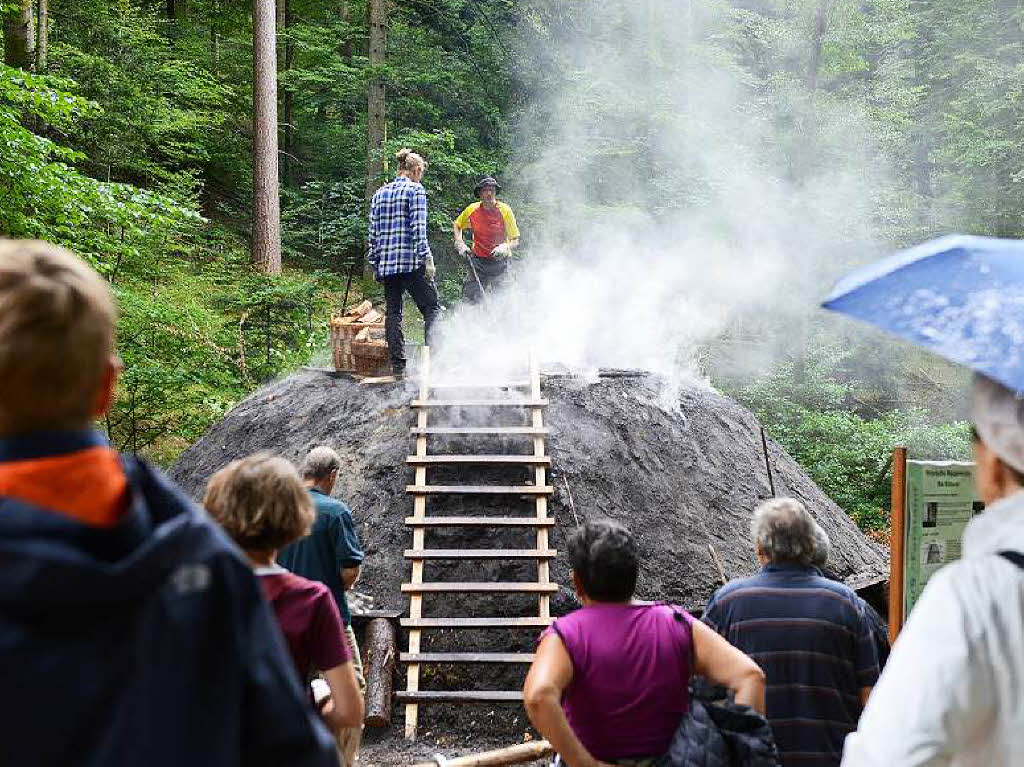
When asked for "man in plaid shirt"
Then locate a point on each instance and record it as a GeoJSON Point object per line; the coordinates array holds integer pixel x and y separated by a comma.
{"type": "Point", "coordinates": [400, 254]}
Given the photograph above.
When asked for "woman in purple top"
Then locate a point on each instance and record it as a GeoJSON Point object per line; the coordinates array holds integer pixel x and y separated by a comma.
{"type": "Point", "coordinates": [610, 681]}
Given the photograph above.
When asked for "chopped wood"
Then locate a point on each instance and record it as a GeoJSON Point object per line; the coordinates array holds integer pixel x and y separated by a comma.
{"type": "Point", "coordinates": [359, 309]}
{"type": "Point", "coordinates": [370, 317]}
{"type": "Point", "coordinates": [718, 564]}
{"type": "Point", "coordinates": [362, 335]}
{"type": "Point", "coordinates": [519, 754]}
{"type": "Point", "coordinates": [379, 662]}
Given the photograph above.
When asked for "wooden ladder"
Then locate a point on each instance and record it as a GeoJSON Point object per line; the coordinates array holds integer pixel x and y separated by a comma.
{"type": "Point", "coordinates": [417, 588]}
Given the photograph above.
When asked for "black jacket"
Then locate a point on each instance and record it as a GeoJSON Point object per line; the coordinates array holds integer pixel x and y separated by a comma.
{"type": "Point", "coordinates": [721, 735]}
{"type": "Point", "coordinates": [145, 644]}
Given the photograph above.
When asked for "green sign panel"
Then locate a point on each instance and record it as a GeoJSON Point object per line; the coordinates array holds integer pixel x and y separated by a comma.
{"type": "Point", "coordinates": [940, 502]}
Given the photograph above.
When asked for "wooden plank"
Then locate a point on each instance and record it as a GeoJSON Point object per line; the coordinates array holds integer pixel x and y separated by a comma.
{"type": "Point", "coordinates": [474, 623]}
{"type": "Point", "coordinates": [425, 403]}
{"type": "Point", "coordinates": [480, 553]}
{"type": "Point", "coordinates": [480, 588]}
{"type": "Point", "coordinates": [461, 696]}
{"type": "Point", "coordinates": [521, 753]}
{"type": "Point", "coordinates": [485, 430]}
{"type": "Point", "coordinates": [479, 522]}
{"type": "Point", "coordinates": [424, 489]}
{"type": "Point", "coordinates": [468, 657]}
{"type": "Point", "coordinates": [897, 539]}
{"type": "Point", "coordinates": [479, 386]}
{"type": "Point", "coordinates": [478, 460]}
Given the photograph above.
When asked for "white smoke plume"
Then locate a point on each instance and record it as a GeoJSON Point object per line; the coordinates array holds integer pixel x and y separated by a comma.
{"type": "Point", "coordinates": [663, 197]}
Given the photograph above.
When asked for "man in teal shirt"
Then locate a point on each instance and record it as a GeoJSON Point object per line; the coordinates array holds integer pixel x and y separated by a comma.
{"type": "Point", "coordinates": [331, 554]}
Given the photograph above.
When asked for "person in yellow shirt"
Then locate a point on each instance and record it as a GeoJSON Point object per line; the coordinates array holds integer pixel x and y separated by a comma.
{"type": "Point", "coordinates": [495, 236]}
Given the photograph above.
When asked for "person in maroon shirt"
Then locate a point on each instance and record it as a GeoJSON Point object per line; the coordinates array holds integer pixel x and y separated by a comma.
{"type": "Point", "coordinates": [262, 504]}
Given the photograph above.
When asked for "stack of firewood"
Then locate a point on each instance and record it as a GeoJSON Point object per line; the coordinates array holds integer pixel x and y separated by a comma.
{"type": "Point", "coordinates": [357, 341]}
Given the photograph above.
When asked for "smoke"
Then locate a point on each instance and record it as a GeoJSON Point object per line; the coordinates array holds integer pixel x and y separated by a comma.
{"type": "Point", "coordinates": [669, 191]}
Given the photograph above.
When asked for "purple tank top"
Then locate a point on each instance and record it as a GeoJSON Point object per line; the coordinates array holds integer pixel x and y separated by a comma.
{"type": "Point", "coordinates": [630, 676]}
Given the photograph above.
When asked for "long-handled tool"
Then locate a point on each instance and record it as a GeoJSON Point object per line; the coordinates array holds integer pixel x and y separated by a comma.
{"type": "Point", "coordinates": [469, 257]}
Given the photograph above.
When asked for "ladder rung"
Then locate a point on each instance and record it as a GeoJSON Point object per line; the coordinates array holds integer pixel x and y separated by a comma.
{"type": "Point", "coordinates": [480, 554]}
{"type": "Point", "coordinates": [464, 696]}
{"type": "Point", "coordinates": [479, 489]}
{"type": "Point", "coordinates": [479, 522]}
{"type": "Point", "coordinates": [533, 431]}
{"type": "Point", "coordinates": [479, 403]}
{"type": "Point", "coordinates": [482, 385]}
{"type": "Point", "coordinates": [466, 657]}
{"type": "Point", "coordinates": [479, 460]}
{"type": "Point", "coordinates": [479, 588]}
{"type": "Point", "coordinates": [475, 623]}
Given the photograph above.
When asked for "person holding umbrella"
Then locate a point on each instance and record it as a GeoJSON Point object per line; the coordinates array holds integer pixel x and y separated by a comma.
{"type": "Point", "coordinates": [495, 236]}
{"type": "Point", "coordinates": [951, 692]}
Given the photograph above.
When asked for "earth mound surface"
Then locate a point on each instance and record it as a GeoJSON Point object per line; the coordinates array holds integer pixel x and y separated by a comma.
{"type": "Point", "coordinates": [683, 472]}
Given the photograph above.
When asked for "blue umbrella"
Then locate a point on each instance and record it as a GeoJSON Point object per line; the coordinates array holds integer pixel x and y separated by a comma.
{"type": "Point", "coordinates": [960, 297]}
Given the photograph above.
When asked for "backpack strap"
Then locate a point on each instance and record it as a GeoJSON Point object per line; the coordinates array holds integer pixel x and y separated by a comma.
{"type": "Point", "coordinates": [1015, 557]}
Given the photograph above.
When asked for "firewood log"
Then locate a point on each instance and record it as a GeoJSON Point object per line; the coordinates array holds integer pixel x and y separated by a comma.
{"type": "Point", "coordinates": [379, 663]}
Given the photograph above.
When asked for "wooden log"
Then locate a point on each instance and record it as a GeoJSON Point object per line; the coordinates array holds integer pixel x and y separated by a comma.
{"type": "Point", "coordinates": [379, 662]}
{"type": "Point", "coordinates": [520, 754]}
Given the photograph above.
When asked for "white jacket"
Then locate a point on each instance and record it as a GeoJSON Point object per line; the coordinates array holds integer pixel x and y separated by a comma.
{"type": "Point", "coordinates": [952, 692]}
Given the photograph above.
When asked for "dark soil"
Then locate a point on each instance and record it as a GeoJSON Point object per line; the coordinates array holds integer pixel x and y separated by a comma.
{"type": "Point", "coordinates": [683, 475]}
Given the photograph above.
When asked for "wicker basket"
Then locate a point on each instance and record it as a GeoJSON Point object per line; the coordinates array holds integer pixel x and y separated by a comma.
{"type": "Point", "coordinates": [341, 346]}
{"type": "Point", "coordinates": [371, 359]}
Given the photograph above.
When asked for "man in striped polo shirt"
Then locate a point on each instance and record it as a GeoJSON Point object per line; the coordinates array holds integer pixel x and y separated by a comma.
{"type": "Point", "coordinates": [808, 634]}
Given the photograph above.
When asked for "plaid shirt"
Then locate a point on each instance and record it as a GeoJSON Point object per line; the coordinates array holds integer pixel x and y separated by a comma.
{"type": "Point", "coordinates": [398, 228]}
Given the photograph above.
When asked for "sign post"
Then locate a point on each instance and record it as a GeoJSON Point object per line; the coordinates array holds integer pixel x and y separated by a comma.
{"type": "Point", "coordinates": [932, 503]}
{"type": "Point", "coordinates": [897, 518]}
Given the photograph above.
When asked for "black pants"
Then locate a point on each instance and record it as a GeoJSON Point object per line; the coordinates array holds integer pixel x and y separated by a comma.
{"type": "Point", "coordinates": [490, 271]}
{"type": "Point", "coordinates": [424, 293]}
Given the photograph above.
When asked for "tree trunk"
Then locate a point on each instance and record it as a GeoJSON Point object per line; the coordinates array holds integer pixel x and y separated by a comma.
{"type": "Point", "coordinates": [820, 28]}
{"type": "Point", "coordinates": [375, 98]}
{"type": "Point", "coordinates": [346, 43]}
{"type": "Point", "coordinates": [19, 35]}
{"type": "Point", "coordinates": [266, 203]}
{"type": "Point", "coordinates": [177, 9]}
{"type": "Point", "coordinates": [289, 131]}
{"type": "Point", "coordinates": [43, 35]}
{"type": "Point", "coordinates": [379, 662]}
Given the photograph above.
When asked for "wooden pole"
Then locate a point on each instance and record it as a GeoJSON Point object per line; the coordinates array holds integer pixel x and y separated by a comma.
{"type": "Point", "coordinates": [419, 512]}
{"type": "Point", "coordinates": [524, 752]}
{"type": "Point", "coordinates": [379, 657]}
{"type": "Point", "coordinates": [897, 533]}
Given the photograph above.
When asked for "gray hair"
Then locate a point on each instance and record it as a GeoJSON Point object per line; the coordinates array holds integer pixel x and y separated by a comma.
{"type": "Point", "coordinates": [320, 462]}
{"type": "Point", "coordinates": [822, 545]}
{"type": "Point", "coordinates": [783, 531]}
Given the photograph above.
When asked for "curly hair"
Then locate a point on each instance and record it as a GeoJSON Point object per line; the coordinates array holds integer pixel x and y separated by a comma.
{"type": "Point", "coordinates": [260, 502]}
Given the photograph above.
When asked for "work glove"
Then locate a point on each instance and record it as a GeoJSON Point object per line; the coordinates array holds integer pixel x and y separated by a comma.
{"type": "Point", "coordinates": [502, 250]}
{"type": "Point", "coordinates": [431, 269]}
{"type": "Point", "coordinates": [462, 247]}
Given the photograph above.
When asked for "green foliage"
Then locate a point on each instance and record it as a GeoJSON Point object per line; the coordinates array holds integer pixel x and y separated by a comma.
{"type": "Point", "coordinates": [814, 417]}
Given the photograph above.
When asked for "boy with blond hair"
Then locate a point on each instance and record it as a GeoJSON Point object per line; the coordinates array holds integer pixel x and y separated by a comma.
{"type": "Point", "coordinates": [132, 631]}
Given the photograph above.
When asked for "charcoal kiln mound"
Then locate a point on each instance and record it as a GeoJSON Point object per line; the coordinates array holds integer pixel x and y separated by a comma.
{"type": "Point", "coordinates": [683, 477]}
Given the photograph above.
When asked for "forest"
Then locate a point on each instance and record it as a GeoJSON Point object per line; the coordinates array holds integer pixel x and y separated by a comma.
{"type": "Point", "coordinates": [135, 132]}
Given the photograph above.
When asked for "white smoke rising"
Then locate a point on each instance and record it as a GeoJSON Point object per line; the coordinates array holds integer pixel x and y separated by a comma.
{"type": "Point", "coordinates": [663, 196]}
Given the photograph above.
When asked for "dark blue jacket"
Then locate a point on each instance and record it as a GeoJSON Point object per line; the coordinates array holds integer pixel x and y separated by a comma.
{"type": "Point", "coordinates": [146, 644]}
